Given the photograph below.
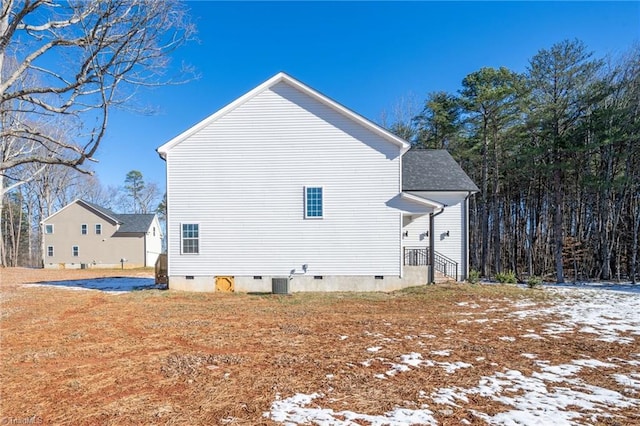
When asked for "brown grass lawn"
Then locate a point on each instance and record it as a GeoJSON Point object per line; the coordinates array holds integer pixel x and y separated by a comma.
{"type": "Point", "coordinates": [165, 357]}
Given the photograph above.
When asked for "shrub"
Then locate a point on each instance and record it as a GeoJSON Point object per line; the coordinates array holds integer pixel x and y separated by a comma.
{"type": "Point", "coordinates": [507, 277]}
{"type": "Point", "coordinates": [474, 276]}
{"type": "Point", "coordinates": [534, 281]}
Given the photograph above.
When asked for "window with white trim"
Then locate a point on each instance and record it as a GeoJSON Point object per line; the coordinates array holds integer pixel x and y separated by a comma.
{"type": "Point", "coordinates": [50, 251]}
{"type": "Point", "coordinates": [48, 229]}
{"type": "Point", "coordinates": [75, 251]}
{"type": "Point", "coordinates": [98, 229]}
{"type": "Point", "coordinates": [83, 229]}
{"type": "Point", "coordinates": [190, 238]}
{"type": "Point", "coordinates": [313, 202]}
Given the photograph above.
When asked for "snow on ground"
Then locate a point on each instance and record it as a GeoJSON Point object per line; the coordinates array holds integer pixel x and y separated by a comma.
{"type": "Point", "coordinates": [553, 394]}
{"type": "Point", "coordinates": [112, 284]}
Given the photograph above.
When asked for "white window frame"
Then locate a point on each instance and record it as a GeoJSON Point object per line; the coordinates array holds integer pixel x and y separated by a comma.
{"type": "Point", "coordinates": [98, 229]}
{"type": "Point", "coordinates": [182, 238]}
{"type": "Point", "coordinates": [46, 226]}
{"type": "Point", "coordinates": [306, 210]}
{"type": "Point", "coordinates": [75, 251]}
{"type": "Point", "coordinates": [50, 251]}
{"type": "Point", "coordinates": [84, 229]}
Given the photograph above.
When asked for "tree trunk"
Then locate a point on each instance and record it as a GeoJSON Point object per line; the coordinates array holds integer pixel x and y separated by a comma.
{"type": "Point", "coordinates": [485, 190]}
{"type": "Point", "coordinates": [558, 233]}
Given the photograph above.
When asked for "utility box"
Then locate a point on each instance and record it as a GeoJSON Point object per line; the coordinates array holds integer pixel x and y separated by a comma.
{"type": "Point", "coordinates": [280, 285]}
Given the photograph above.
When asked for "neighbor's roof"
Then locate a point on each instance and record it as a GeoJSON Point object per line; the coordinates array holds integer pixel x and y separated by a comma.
{"type": "Point", "coordinates": [134, 223]}
{"type": "Point", "coordinates": [287, 79]}
{"type": "Point", "coordinates": [102, 210]}
{"type": "Point", "coordinates": [433, 170]}
{"type": "Point", "coordinates": [129, 223]}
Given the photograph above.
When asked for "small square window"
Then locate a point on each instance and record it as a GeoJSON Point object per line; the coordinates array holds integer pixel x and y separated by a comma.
{"type": "Point", "coordinates": [48, 229]}
{"type": "Point", "coordinates": [98, 229]}
{"type": "Point", "coordinates": [83, 229]}
{"type": "Point", "coordinates": [75, 251]}
{"type": "Point", "coordinates": [50, 251]}
{"type": "Point", "coordinates": [313, 202]}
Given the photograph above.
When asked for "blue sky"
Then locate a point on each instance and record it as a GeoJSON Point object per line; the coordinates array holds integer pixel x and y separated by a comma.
{"type": "Point", "coordinates": [365, 55]}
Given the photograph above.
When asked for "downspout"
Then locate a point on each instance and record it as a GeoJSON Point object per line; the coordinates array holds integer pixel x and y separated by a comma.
{"type": "Point", "coordinates": [432, 242]}
{"type": "Point", "coordinates": [467, 234]}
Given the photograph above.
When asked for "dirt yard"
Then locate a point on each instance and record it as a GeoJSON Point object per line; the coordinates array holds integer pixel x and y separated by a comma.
{"type": "Point", "coordinates": [448, 354]}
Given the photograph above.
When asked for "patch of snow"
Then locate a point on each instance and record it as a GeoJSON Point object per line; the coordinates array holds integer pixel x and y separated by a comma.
{"type": "Point", "coordinates": [446, 352]}
{"type": "Point", "coordinates": [593, 363]}
{"type": "Point", "coordinates": [529, 356]}
{"type": "Point", "coordinates": [532, 336]}
{"type": "Point", "coordinates": [507, 338]}
{"type": "Point", "coordinates": [534, 402]}
{"type": "Point", "coordinates": [344, 337]}
{"type": "Point", "coordinates": [451, 367]}
{"type": "Point", "coordinates": [374, 349]}
{"type": "Point", "coordinates": [295, 410]}
{"type": "Point", "coordinates": [629, 383]}
{"type": "Point", "coordinates": [112, 285]}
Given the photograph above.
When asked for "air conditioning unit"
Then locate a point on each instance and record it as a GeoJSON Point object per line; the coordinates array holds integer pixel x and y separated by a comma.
{"type": "Point", "coordinates": [280, 285]}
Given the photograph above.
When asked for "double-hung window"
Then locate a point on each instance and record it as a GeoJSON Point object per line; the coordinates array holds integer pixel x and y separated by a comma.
{"type": "Point", "coordinates": [98, 228]}
{"type": "Point", "coordinates": [83, 229]}
{"type": "Point", "coordinates": [313, 202]}
{"type": "Point", "coordinates": [190, 238]}
{"type": "Point", "coordinates": [48, 229]}
{"type": "Point", "coordinates": [50, 251]}
{"type": "Point", "coordinates": [75, 251]}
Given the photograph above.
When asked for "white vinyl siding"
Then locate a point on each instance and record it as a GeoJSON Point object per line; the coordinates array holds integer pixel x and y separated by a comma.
{"type": "Point", "coordinates": [241, 177]}
{"type": "Point", "coordinates": [452, 221]}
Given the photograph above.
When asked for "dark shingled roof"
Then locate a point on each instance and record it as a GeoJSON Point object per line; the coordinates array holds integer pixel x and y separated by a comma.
{"type": "Point", "coordinates": [101, 210]}
{"type": "Point", "coordinates": [129, 223]}
{"type": "Point", "coordinates": [433, 170]}
{"type": "Point", "coordinates": [134, 223]}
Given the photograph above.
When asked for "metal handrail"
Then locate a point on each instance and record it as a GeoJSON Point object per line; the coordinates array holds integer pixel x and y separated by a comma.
{"type": "Point", "coordinates": [445, 265]}
{"type": "Point", "coordinates": [420, 257]}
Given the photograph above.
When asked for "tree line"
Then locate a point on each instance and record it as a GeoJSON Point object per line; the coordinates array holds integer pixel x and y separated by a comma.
{"type": "Point", "coordinates": [555, 152]}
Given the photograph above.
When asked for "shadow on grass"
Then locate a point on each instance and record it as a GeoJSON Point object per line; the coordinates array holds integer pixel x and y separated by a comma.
{"type": "Point", "coordinates": [110, 284]}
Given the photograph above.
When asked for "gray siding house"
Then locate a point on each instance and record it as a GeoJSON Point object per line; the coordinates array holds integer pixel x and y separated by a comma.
{"type": "Point", "coordinates": [85, 235]}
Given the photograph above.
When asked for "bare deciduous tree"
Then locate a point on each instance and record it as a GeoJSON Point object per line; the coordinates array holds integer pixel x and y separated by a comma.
{"type": "Point", "coordinates": [65, 64]}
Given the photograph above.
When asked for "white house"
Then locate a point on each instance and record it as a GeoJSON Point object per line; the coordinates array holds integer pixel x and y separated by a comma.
{"type": "Point", "coordinates": [287, 183]}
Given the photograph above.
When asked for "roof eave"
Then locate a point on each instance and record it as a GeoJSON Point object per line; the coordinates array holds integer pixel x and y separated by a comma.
{"type": "Point", "coordinates": [281, 76]}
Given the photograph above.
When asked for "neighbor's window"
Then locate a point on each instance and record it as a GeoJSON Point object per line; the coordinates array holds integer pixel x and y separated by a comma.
{"type": "Point", "coordinates": [75, 251]}
{"type": "Point", "coordinates": [313, 203]}
{"type": "Point", "coordinates": [48, 229]}
{"type": "Point", "coordinates": [98, 228]}
{"type": "Point", "coordinates": [83, 229]}
{"type": "Point", "coordinates": [190, 238]}
{"type": "Point", "coordinates": [50, 251]}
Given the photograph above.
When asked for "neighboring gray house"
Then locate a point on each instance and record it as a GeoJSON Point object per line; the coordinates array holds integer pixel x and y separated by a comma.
{"type": "Point", "coordinates": [286, 183]}
{"type": "Point", "coordinates": [85, 235]}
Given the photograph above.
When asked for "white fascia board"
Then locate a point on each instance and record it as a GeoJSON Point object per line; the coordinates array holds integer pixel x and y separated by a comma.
{"type": "Point", "coordinates": [283, 77]}
{"type": "Point", "coordinates": [424, 201]}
